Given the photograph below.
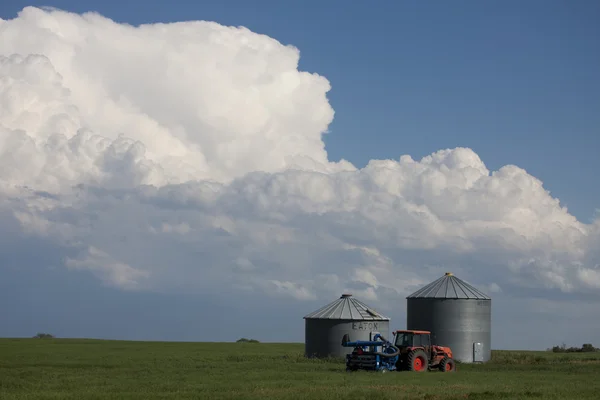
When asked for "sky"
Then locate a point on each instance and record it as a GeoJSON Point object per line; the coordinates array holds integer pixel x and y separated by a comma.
{"type": "Point", "coordinates": [219, 170]}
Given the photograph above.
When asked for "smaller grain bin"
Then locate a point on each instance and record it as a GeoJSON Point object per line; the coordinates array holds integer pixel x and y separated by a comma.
{"type": "Point", "coordinates": [325, 327]}
{"type": "Point", "coordinates": [457, 314]}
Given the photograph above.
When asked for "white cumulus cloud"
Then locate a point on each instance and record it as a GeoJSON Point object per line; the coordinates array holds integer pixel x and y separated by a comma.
{"type": "Point", "coordinates": [107, 269]}
{"type": "Point", "coordinates": [189, 156]}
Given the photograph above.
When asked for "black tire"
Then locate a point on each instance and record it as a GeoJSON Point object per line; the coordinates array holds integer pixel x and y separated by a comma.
{"type": "Point", "coordinates": [417, 361]}
{"type": "Point", "coordinates": [447, 365]}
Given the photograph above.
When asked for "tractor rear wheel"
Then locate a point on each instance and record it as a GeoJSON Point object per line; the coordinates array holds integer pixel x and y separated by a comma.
{"type": "Point", "coordinates": [447, 365]}
{"type": "Point", "coordinates": [417, 361]}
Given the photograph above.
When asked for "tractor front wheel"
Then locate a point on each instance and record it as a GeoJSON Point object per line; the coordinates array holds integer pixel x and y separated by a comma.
{"type": "Point", "coordinates": [417, 361]}
{"type": "Point", "coordinates": [447, 365]}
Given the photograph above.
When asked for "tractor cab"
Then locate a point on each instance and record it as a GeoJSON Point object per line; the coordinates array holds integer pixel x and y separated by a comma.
{"type": "Point", "coordinates": [407, 339]}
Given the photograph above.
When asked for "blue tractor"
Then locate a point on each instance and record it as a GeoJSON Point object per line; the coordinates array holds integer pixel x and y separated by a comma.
{"type": "Point", "coordinates": [377, 354]}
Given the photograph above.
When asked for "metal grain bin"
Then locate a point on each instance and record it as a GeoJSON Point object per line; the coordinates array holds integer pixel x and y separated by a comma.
{"type": "Point", "coordinates": [457, 314]}
{"type": "Point", "coordinates": [325, 327]}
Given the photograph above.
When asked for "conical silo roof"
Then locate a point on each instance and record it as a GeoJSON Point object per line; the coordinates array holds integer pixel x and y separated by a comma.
{"type": "Point", "coordinates": [349, 308]}
{"type": "Point", "coordinates": [449, 287]}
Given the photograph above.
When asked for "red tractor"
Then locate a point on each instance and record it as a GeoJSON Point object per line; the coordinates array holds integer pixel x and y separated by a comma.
{"type": "Point", "coordinates": [418, 354]}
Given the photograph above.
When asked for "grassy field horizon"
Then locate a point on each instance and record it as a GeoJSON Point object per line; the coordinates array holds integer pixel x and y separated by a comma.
{"type": "Point", "coordinates": [78, 368]}
{"type": "Point", "coordinates": [158, 341]}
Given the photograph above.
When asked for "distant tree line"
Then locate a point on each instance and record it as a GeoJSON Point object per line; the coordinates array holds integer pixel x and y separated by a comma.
{"type": "Point", "coordinates": [586, 348]}
{"type": "Point", "coordinates": [43, 335]}
{"type": "Point", "coordinates": [244, 340]}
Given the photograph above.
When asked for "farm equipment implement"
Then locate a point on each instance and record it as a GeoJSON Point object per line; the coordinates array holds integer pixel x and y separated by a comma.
{"type": "Point", "coordinates": [377, 354]}
{"type": "Point", "coordinates": [411, 351]}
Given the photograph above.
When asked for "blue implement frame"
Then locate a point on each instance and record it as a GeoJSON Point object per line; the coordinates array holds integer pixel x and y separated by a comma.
{"type": "Point", "coordinates": [377, 354]}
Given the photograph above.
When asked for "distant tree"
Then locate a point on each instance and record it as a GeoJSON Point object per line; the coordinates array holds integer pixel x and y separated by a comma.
{"type": "Point", "coordinates": [42, 335]}
{"type": "Point", "coordinates": [587, 347]}
{"type": "Point", "coordinates": [244, 340]}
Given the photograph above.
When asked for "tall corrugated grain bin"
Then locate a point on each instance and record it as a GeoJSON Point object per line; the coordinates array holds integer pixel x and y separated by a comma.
{"type": "Point", "coordinates": [325, 327]}
{"type": "Point", "coordinates": [457, 314]}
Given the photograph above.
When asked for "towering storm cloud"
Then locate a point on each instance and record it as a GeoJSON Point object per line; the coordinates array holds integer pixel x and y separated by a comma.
{"type": "Point", "coordinates": [189, 156]}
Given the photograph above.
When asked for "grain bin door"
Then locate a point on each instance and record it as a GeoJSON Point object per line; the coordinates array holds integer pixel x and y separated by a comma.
{"type": "Point", "coordinates": [477, 352]}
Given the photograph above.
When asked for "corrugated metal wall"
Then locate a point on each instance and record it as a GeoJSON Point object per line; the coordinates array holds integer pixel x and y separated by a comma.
{"type": "Point", "coordinates": [323, 337]}
{"type": "Point", "coordinates": [456, 323]}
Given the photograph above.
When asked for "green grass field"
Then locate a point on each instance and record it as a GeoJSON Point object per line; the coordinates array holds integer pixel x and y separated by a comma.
{"type": "Point", "coordinates": [95, 369]}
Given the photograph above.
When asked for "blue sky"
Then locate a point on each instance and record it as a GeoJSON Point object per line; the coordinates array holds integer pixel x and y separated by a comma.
{"type": "Point", "coordinates": [516, 81]}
